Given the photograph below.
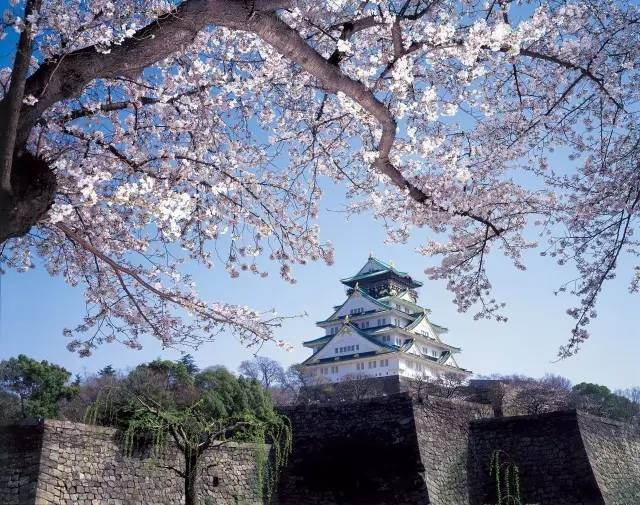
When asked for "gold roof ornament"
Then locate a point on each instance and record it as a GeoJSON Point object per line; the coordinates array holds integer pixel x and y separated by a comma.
{"type": "Point", "coordinates": [346, 319]}
{"type": "Point", "coordinates": [357, 286]}
{"type": "Point", "coordinates": [393, 265]}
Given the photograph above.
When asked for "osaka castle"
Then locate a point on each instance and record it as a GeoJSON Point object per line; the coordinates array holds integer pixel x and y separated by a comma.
{"type": "Point", "coordinates": [380, 330]}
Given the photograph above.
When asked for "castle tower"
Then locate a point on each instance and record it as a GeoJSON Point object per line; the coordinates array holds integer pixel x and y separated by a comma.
{"type": "Point", "coordinates": [380, 330]}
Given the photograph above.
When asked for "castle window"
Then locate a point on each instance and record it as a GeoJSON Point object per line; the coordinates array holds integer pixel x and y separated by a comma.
{"type": "Point", "coordinates": [434, 353]}
{"type": "Point", "coordinates": [357, 347]}
{"type": "Point", "coordinates": [336, 350]}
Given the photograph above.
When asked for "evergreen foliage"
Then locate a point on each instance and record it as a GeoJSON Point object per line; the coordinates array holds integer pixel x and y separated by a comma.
{"type": "Point", "coordinates": [188, 361]}
{"type": "Point", "coordinates": [600, 401]}
{"type": "Point", "coordinates": [107, 371]}
{"type": "Point", "coordinates": [39, 386]}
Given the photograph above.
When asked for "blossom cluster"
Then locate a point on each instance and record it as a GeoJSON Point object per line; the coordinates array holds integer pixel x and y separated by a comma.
{"type": "Point", "coordinates": [474, 121]}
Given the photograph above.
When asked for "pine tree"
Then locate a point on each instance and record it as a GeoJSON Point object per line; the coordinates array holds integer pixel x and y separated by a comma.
{"type": "Point", "coordinates": [107, 371]}
{"type": "Point", "coordinates": [188, 361]}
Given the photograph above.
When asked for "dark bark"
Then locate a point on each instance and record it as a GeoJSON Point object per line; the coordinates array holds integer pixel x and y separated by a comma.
{"type": "Point", "coordinates": [12, 103]}
{"type": "Point", "coordinates": [190, 477]}
{"type": "Point", "coordinates": [33, 186]}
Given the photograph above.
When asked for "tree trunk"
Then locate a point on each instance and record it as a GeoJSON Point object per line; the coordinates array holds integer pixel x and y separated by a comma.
{"type": "Point", "coordinates": [33, 186]}
{"type": "Point", "coordinates": [190, 477]}
{"type": "Point", "coordinates": [12, 102]}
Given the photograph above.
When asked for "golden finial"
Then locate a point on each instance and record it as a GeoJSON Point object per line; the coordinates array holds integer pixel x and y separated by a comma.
{"type": "Point", "coordinates": [346, 319]}
{"type": "Point", "coordinates": [357, 286]}
{"type": "Point", "coordinates": [393, 265]}
{"type": "Point", "coordinates": [370, 254]}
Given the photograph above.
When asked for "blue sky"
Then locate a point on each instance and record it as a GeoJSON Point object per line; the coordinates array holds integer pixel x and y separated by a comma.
{"type": "Point", "coordinates": [34, 309]}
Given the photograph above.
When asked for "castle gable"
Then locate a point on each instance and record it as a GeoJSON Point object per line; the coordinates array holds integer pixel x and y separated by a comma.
{"type": "Point", "coordinates": [358, 303]}
{"type": "Point", "coordinates": [373, 265]}
{"type": "Point", "coordinates": [349, 341]}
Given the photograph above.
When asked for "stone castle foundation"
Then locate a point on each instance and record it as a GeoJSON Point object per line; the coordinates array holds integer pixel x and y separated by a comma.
{"type": "Point", "coordinates": [382, 451]}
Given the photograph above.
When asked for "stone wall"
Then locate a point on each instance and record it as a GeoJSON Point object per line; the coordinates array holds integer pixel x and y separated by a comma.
{"type": "Point", "coordinates": [564, 458]}
{"type": "Point", "coordinates": [82, 464]}
{"type": "Point", "coordinates": [401, 451]}
{"type": "Point", "coordinates": [354, 453]}
{"type": "Point", "coordinates": [613, 450]}
{"type": "Point", "coordinates": [388, 450]}
{"type": "Point", "coordinates": [383, 451]}
{"type": "Point", "coordinates": [19, 463]}
{"type": "Point", "coordinates": [443, 436]}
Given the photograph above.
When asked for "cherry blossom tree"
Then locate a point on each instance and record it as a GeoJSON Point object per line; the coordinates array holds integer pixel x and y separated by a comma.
{"type": "Point", "coordinates": [141, 135]}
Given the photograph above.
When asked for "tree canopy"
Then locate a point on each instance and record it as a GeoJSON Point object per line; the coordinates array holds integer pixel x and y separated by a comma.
{"type": "Point", "coordinates": [140, 135]}
{"type": "Point", "coordinates": [188, 361]}
{"type": "Point", "coordinates": [599, 400]}
{"type": "Point", "coordinates": [265, 370]}
{"type": "Point", "coordinates": [38, 386]}
{"type": "Point", "coordinates": [197, 411]}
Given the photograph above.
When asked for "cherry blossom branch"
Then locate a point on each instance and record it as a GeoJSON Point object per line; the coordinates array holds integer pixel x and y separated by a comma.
{"type": "Point", "coordinates": [63, 78]}
{"type": "Point", "coordinates": [197, 307]}
{"type": "Point", "coordinates": [289, 43]}
{"type": "Point", "coordinates": [585, 71]}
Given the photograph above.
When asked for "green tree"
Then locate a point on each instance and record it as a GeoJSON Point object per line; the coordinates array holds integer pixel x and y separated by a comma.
{"type": "Point", "coordinates": [162, 401]}
{"type": "Point", "coordinates": [38, 385]}
{"type": "Point", "coordinates": [107, 371]}
{"type": "Point", "coordinates": [9, 408]}
{"type": "Point", "coordinates": [599, 400]}
{"type": "Point", "coordinates": [188, 361]}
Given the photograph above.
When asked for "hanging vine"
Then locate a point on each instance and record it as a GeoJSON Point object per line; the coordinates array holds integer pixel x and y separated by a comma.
{"type": "Point", "coordinates": [506, 476]}
{"type": "Point", "coordinates": [194, 433]}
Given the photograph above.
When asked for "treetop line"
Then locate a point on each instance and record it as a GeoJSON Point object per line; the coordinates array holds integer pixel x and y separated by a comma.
{"type": "Point", "coordinates": [135, 141]}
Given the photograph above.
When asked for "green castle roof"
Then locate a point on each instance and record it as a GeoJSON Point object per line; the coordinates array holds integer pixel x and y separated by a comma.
{"type": "Point", "coordinates": [381, 268]}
